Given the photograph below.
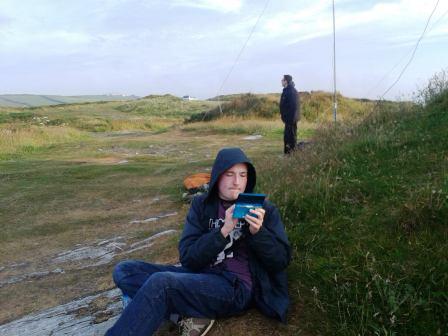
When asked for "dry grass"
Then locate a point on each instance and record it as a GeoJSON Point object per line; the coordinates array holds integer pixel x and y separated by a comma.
{"type": "Point", "coordinates": [29, 138]}
{"type": "Point", "coordinates": [240, 125]}
{"type": "Point", "coordinates": [235, 125]}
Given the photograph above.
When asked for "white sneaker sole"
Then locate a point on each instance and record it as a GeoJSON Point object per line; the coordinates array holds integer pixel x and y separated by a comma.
{"type": "Point", "coordinates": [208, 328]}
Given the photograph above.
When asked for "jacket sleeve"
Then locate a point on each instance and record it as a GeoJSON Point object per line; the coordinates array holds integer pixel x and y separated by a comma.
{"type": "Point", "coordinates": [198, 245]}
{"type": "Point", "coordinates": [270, 244]}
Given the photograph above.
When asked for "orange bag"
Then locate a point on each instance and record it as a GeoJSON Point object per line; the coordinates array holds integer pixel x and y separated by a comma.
{"type": "Point", "coordinates": [195, 181]}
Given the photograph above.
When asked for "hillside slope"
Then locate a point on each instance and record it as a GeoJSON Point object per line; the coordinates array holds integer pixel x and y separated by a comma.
{"type": "Point", "coordinates": [366, 209]}
{"type": "Point", "coordinates": [31, 100]}
{"type": "Point", "coordinates": [315, 106]}
{"type": "Point", "coordinates": [148, 113]}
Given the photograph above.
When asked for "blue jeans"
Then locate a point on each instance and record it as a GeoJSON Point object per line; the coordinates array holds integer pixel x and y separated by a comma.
{"type": "Point", "coordinates": [160, 290]}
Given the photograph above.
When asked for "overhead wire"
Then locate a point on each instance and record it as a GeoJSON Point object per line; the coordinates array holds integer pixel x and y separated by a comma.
{"type": "Point", "coordinates": [413, 52]}
{"type": "Point", "coordinates": [401, 59]}
{"type": "Point", "coordinates": [239, 54]}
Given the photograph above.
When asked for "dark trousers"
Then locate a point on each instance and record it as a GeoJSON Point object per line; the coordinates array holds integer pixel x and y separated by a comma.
{"type": "Point", "coordinates": [290, 138]}
{"type": "Point", "coordinates": [160, 290]}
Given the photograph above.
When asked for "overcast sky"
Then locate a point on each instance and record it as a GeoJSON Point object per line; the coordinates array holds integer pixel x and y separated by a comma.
{"type": "Point", "coordinates": [189, 46]}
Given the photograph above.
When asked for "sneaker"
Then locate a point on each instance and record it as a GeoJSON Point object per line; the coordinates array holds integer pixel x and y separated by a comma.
{"type": "Point", "coordinates": [195, 326]}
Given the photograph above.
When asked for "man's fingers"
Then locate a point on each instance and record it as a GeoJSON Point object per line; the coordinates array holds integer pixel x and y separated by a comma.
{"type": "Point", "coordinates": [255, 226]}
{"type": "Point", "coordinates": [230, 209]}
{"type": "Point", "coordinates": [259, 213]}
{"type": "Point", "coordinates": [253, 220]}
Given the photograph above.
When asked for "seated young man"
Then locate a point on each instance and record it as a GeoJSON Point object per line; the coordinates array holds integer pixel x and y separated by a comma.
{"type": "Point", "coordinates": [227, 264]}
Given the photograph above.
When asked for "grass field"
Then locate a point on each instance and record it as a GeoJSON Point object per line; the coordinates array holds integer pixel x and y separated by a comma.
{"type": "Point", "coordinates": [78, 174]}
{"type": "Point", "coordinates": [364, 203]}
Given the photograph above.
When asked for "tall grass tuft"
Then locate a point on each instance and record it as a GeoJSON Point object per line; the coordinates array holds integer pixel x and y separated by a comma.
{"type": "Point", "coordinates": [26, 139]}
{"type": "Point", "coordinates": [234, 125]}
{"type": "Point", "coordinates": [114, 125]}
{"type": "Point", "coordinates": [244, 106]}
{"type": "Point", "coordinates": [366, 209]}
{"type": "Point", "coordinates": [434, 91]}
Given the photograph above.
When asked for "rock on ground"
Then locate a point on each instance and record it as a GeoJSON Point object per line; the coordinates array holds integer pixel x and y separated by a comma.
{"type": "Point", "coordinates": [89, 316]}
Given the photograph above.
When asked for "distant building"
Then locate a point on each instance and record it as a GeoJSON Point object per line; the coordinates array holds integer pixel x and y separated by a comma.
{"type": "Point", "coordinates": [189, 98]}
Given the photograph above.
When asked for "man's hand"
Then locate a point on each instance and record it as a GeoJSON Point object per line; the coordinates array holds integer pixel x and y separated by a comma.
{"type": "Point", "coordinates": [229, 222]}
{"type": "Point", "coordinates": [255, 223]}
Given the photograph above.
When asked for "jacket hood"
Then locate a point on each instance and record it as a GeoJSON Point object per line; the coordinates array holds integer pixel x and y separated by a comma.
{"type": "Point", "coordinates": [225, 159]}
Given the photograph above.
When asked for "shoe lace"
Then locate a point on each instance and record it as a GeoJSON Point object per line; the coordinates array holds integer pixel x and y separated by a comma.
{"type": "Point", "coordinates": [187, 325]}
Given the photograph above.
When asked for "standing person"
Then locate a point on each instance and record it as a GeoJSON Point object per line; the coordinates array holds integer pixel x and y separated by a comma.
{"type": "Point", "coordinates": [290, 113]}
{"type": "Point", "coordinates": [227, 264]}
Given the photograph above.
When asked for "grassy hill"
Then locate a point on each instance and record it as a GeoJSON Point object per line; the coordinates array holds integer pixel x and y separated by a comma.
{"type": "Point", "coordinates": [316, 106]}
{"type": "Point", "coordinates": [29, 129]}
{"type": "Point", "coordinates": [367, 216]}
{"type": "Point", "coordinates": [30, 100]}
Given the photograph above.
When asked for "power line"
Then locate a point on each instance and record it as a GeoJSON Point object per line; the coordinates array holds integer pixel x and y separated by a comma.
{"type": "Point", "coordinates": [401, 59]}
{"type": "Point", "coordinates": [414, 51]}
{"type": "Point", "coordinates": [241, 52]}
{"type": "Point", "coordinates": [440, 19]}
{"type": "Point", "coordinates": [387, 73]}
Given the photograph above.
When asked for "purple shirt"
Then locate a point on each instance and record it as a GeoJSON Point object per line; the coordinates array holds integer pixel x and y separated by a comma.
{"type": "Point", "coordinates": [234, 258]}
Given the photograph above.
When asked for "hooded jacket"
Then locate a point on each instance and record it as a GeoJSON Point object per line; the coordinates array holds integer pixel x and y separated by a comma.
{"type": "Point", "coordinates": [290, 105]}
{"type": "Point", "coordinates": [269, 250]}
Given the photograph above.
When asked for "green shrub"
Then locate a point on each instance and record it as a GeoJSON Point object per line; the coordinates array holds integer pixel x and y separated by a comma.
{"type": "Point", "coordinates": [16, 117]}
{"type": "Point", "coordinates": [436, 90]}
{"type": "Point", "coordinates": [247, 105]}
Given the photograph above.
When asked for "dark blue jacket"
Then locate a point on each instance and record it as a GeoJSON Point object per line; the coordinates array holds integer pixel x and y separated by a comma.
{"type": "Point", "coordinates": [290, 105]}
{"type": "Point", "coordinates": [269, 250]}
